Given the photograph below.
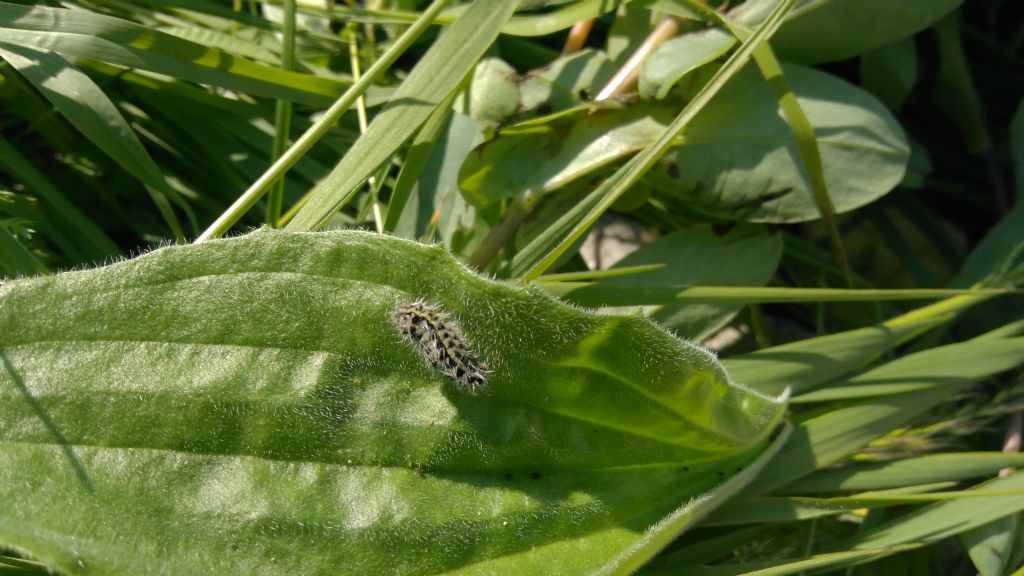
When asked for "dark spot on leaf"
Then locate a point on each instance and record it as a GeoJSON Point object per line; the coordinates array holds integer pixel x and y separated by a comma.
{"type": "Point", "coordinates": [673, 170]}
{"type": "Point", "coordinates": [775, 194]}
{"type": "Point", "coordinates": [583, 94]}
{"type": "Point", "coordinates": [686, 468]}
{"type": "Point", "coordinates": [544, 109]}
{"type": "Point", "coordinates": [721, 229]}
{"type": "Point", "coordinates": [509, 476]}
{"type": "Point", "coordinates": [763, 198]}
{"type": "Point", "coordinates": [535, 475]}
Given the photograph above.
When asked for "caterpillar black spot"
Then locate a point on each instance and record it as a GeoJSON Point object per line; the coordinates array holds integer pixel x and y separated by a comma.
{"type": "Point", "coordinates": [439, 340]}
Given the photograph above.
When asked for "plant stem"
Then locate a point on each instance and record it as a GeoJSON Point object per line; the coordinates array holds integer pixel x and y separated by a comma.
{"type": "Point", "coordinates": [626, 77]}
{"type": "Point", "coordinates": [577, 36]}
{"type": "Point", "coordinates": [498, 236]}
{"type": "Point", "coordinates": [1012, 442]}
{"type": "Point", "coordinates": [282, 114]}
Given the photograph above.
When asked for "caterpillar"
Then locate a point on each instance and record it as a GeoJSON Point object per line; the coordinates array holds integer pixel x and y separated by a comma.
{"type": "Point", "coordinates": [439, 340]}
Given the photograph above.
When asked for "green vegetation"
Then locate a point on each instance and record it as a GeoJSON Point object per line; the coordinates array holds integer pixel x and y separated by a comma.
{"type": "Point", "coordinates": [827, 191]}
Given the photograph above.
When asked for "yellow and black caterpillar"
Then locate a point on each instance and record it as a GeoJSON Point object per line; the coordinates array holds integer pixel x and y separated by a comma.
{"type": "Point", "coordinates": [437, 336]}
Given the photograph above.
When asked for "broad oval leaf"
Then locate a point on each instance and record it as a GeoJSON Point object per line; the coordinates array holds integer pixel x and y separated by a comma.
{"type": "Point", "coordinates": [828, 30]}
{"type": "Point", "coordinates": [494, 92]}
{"type": "Point", "coordinates": [247, 405]}
{"type": "Point", "coordinates": [739, 158]}
{"type": "Point", "coordinates": [567, 81]}
{"type": "Point", "coordinates": [677, 57]}
{"type": "Point", "coordinates": [560, 149]}
{"type": "Point", "coordinates": [497, 92]}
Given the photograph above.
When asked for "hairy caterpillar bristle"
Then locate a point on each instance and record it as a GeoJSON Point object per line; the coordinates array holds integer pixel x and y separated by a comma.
{"type": "Point", "coordinates": [439, 340]}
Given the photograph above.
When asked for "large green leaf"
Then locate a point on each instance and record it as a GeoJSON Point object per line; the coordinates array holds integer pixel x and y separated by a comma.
{"type": "Point", "coordinates": [828, 30]}
{"type": "Point", "coordinates": [561, 149]}
{"type": "Point", "coordinates": [739, 158]}
{"type": "Point", "coordinates": [247, 405]}
{"type": "Point", "coordinates": [497, 93]}
{"type": "Point", "coordinates": [677, 57]}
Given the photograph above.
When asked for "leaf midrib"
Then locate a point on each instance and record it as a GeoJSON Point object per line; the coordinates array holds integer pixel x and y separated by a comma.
{"type": "Point", "coordinates": [431, 470]}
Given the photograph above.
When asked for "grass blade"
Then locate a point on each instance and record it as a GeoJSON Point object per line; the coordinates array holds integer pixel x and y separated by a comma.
{"type": "Point", "coordinates": [931, 367]}
{"type": "Point", "coordinates": [436, 76]}
{"type": "Point", "coordinates": [804, 365]}
{"type": "Point", "coordinates": [948, 518]}
{"type": "Point", "coordinates": [89, 110]}
{"type": "Point", "coordinates": [83, 34]}
{"type": "Point", "coordinates": [415, 160]}
{"type": "Point", "coordinates": [302, 145]}
{"type": "Point", "coordinates": [86, 235]}
{"type": "Point", "coordinates": [921, 470]}
{"type": "Point", "coordinates": [597, 294]}
{"type": "Point", "coordinates": [15, 259]}
{"type": "Point", "coordinates": [282, 114]}
{"type": "Point", "coordinates": [822, 440]}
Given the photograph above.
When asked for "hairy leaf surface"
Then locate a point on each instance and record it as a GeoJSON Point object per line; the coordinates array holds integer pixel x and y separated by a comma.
{"type": "Point", "coordinates": [246, 405]}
